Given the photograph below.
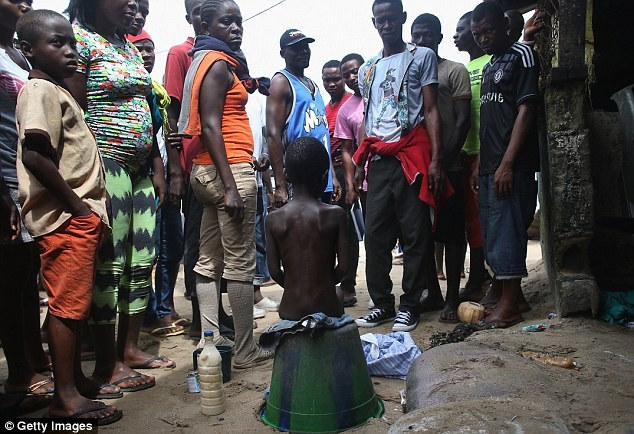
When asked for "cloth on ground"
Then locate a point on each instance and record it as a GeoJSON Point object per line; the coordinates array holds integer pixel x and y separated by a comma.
{"type": "Point", "coordinates": [617, 306]}
{"type": "Point", "coordinates": [390, 355]}
{"type": "Point", "coordinates": [271, 337]}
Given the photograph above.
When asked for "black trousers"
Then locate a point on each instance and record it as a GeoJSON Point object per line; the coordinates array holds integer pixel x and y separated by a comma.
{"type": "Point", "coordinates": [393, 210]}
{"type": "Point", "coordinates": [349, 281]}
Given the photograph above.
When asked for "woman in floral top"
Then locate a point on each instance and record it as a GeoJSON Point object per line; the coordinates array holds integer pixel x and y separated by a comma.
{"type": "Point", "coordinates": [113, 86]}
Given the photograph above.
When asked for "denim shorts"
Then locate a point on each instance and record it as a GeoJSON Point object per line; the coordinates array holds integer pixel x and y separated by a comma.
{"type": "Point", "coordinates": [504, 223]}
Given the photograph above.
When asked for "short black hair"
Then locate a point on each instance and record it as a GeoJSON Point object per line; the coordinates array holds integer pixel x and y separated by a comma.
{"type": "Point", "coordinates": [188, 6]}
{"type": "Point", "coordinates": [398, 3]}
{"type": "Point", "coordinates": [31, 26]}
{"type": "Point", "coordinates": [428, 19]}
{"type": "Point", "coordinates": [306, 162]}
{"type": "Point", "coordinates": [332, 64]}
{"type": "Point", "coordinates": [489, 8]}
{"type": "Point", "coordinates": [84, 11]}
{"type": "Point", "coordinates": [466, 16]}
{"type": "Point", "coordinates": [352, 56]}
{"type": "Point", "coordinates": [210, 8]}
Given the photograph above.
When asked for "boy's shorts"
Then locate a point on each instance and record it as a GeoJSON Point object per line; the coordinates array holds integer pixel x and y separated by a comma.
{"type": "Point", "coordinates": [68, 257]}
{"type": "Point", "coordinates": [451, 215]}
{"type": "Point", "coordinates": [504, 224]}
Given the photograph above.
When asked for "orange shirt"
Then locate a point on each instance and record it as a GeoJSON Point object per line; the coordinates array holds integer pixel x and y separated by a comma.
{"type": "Point", "coordinates": [236, 131]}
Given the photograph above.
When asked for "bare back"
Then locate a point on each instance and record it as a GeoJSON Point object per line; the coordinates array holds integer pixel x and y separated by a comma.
{"type": "Point", "coordinates": [304, 238]}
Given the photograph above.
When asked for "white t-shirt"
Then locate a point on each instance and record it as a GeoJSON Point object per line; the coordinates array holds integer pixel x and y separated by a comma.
{"type": "Point", "coordinates": [257, 120]}
{"type": "Point", "coordinates": [383, 113]}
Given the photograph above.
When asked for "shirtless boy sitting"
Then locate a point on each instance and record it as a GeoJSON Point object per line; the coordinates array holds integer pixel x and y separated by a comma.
{"type": "Point", "coordinates": [305, 236]}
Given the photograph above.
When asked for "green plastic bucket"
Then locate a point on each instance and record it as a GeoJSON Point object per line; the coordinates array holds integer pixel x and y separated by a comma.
{"type": "Point", "coordinates": [320, 383]}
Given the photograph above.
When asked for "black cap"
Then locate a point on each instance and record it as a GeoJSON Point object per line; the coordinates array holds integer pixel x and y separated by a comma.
{"type": "Point", "coordinates": [292, 37]}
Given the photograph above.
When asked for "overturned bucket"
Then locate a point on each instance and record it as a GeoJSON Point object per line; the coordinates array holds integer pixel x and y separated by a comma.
{"type": "Point", "coordinates": [320, 383]}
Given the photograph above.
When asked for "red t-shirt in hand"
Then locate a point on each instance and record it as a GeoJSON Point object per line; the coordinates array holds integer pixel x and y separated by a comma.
{"type": "Point", "coordinates": [176, 66]}
{"type": "Point", "coordinates": [331, 116]}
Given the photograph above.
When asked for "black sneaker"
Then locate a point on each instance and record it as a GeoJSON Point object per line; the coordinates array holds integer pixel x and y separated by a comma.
{"type": "Point", "coordinates": [375, 317]}
{"type": "Point", "coordinates": [405, 321]}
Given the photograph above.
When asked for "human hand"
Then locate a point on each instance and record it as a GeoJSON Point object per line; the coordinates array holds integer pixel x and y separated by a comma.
{"type": "Point", "coordinates": [262, 163]}
{"type": "Point", "coordinates": [351, 195]}
{"type": "Point", "coordinates": [503, 181]}
{"type": "Point", "coordinates": [234, 206]}
{"type": "Point", "coordinates": [336, 189]}
{"type": "Point", "coordinates": [159, 188]}
{"type": "Point", "coordinates": [175, 140]}
{"type": "Point", "coordinates": [10, 210]}
{"type": "Point", "coordinates": [280, 196]}
{"type": "Point", "coordinates": [359, 177]}
{"type": "Point", "coordinates": [534, 25]}
{"type": "Point", "coordinates": [176, 190]}
{"type": "Point", "coordinates": [435, 178]}
{"type": "Point", "coordinates": [473, 180]}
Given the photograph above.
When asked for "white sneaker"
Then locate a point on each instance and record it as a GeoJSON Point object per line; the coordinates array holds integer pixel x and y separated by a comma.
{"type": "Point", "coordinates": [267, 304]}
{"type": "Point", "coordinates": [258, 313]}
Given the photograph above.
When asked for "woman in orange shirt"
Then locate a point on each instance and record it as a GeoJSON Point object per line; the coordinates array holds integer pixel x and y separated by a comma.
{"type": "Point", "coordinates": [223, 176]}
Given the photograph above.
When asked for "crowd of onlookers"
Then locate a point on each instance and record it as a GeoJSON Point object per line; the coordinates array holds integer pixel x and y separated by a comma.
{"type": "Point", "coordinates": [99, 161]}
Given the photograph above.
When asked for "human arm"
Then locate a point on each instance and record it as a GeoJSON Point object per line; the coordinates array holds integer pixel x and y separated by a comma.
{"type": "Point", "coordinates": [277, 110]}
{"type": "Point", "coordinates": [475, 174]}
{"type": "Point", "coordinates": [273, 259]}
{"type": "Point", "coordinates": [457, 137]}
{"type": "Point", "coordinates": [359, 173]}
{"type": "Point", "coordinates": [10, 210]}
{"type": "Point", "coordinates": [503, 179]}
{"type": "Point", "coordinates": [77, 86]}
{"type": "Point", "coordinates": [36, 159]}
{"type": "Point", "coordinates": [533, 26]}
{"type": "Point", "coordinates": [177, 184]}
{"type": "Point", "coordinates": [348, 170]}
{"type": "Point", "coordinates": [213, 92]}
{"type": "Point", "coordinates": [336, 187]}
{"type": "Point", "coordinates": [344, 261]}
{"type": "Point", "coordinates": [435, 172]}
{"type": "Point", "coordinates": [158, 172]}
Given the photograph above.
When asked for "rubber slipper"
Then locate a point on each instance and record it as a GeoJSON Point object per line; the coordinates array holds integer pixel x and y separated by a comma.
{"type": "Point", "coordinates": [147, 364]}
{"type": "Point", "coordinates": [47, 368]}
{"type": "Point", "coordinates": [183, 322]}
{"type": "Point", "coordinates": [19, 405]}
{"type": "Point", "coordinates": [166, 331]}
{"type": "Point", "coordinates": [134, 388]}
{"type": "Point", "coordinates": [98, 395]}
{"type": "Point", "coordinates": [500, 324]}
{"type": "Point", "coordinates": [349, 301]}
{"type": "Point", "coordinates": [101, 422]}
{"type": "Point", "coordinates": [443, 317]}
{"type": "Point", "coordinates": [30, 391]}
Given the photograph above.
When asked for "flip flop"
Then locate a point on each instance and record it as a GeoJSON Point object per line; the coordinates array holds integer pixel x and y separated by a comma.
{"type": "Point", "coordinates": [349, 301]}
{"type": "Point", "coordinates": [166, 331]}
{"type": "Point", "coordinates": [98, 395]}
{"type": "Point", "coordinates": [148, 362]}
{"type": "Point", "coordinates": [19, 405]}
{"type": "Point", "coordinates": [500, 324]}
{"type": "Point", "coordinates": [47, 368]}
{"type": "Point", "coordinates": [135, 388]}
{"type": "Point", "coordinates": [183, 322]}
{"type": "Point", "coordinates": [443, 317]}
{"type": "Point", "coordinates": [100, 422]}
{"type": "Point", "coordinates": [30, 391]}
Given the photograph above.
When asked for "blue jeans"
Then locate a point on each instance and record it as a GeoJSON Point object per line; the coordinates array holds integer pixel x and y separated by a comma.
{"type": "Point", "coordinates": [168, 237]}
{"type": "Point", "coordinates": [261, 268]}
{"type": "Point", "coordinates": [504, 223]}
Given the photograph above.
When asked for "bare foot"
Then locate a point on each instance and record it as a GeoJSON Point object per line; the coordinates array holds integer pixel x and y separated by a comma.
{"type": "Point", "coordinates": [82, 408]}
{"type": "Point", "coordinates": [493, 294]}
{"type": "Point", "coordinates": [125, 378]}
{"type": "Point", "coordinates": [92, 389]}
{"type": "Point", "coordinates": [449, 315]}
{"type": "Point", "coordinates": [504, 317]}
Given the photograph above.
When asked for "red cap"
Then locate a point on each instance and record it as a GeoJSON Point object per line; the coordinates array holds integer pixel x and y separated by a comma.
{"type": "Point", "coordinates": [140, 37]}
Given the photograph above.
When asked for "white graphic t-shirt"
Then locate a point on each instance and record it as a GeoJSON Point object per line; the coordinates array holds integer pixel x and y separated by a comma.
{"type": "Point", "coordinates": [384, 121]}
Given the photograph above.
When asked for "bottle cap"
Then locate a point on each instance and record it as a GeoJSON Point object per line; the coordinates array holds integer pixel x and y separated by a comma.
{"type": "Point", "coordinates": [209, 334]}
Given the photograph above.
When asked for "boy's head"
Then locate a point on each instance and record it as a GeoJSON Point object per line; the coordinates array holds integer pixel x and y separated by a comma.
{"type": "Point", "coordinates": [350, 65]}
{"type": "Point", "coordinates": [332, 79]}
{"type": "Point", "coordinates": [192, 7]}
{"type": "Point", "coordinates": [426, 32]}
{"type": "Point", "coordinates": [490, 28]}
{"type": "Point", "coordinates": [307, 163]}
{"type": "Point", "coordinates": [47, 40]}
{"type": "Point", "coordinates": [143, 42]}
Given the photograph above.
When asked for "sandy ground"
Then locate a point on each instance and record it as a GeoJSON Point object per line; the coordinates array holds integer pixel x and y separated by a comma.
{"type": "Point", "coordinates": [169, 408]}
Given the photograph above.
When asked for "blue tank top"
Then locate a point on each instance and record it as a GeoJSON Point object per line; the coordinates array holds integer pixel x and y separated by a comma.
{"type": "Point", "coordinates": [307, 117]}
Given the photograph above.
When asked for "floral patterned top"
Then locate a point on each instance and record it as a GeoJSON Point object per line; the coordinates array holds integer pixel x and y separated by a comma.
{"type": "Point", "coordinates": [118, 86]}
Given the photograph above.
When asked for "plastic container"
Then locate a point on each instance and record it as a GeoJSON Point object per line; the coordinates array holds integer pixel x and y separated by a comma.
{"type": "Point", "coordinates": [212, 398]}
{"type": "Point", "coordinates": [225, 354]}
{"type": "Point", "coordinates": [320, 383]}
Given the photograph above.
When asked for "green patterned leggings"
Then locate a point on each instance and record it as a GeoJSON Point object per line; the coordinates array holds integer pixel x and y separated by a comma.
{"type": "Point", "coordinates": [126, 257]}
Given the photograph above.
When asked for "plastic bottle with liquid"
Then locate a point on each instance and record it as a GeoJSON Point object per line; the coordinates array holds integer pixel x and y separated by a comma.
{"type": "Point", "coordinates": [212, 397]}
